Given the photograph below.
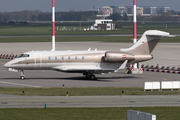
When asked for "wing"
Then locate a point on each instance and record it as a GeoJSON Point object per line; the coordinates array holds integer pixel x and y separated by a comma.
{"type": "Point", "coordinates": [83, 69]}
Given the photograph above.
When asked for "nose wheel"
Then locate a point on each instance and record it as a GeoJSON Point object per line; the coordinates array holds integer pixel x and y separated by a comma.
{"type": "Point", "coordinates": [22, 77]}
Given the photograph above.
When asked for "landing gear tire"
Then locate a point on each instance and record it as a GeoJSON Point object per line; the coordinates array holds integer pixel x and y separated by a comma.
{"type": "Point", "coordinates": [92, 77]}
{"type": "Point", "coordinates": [22, 78]}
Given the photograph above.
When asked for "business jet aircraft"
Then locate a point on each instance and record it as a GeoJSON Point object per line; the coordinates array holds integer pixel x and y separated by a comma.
{"type": "Point", "coordinates": [88, 62]}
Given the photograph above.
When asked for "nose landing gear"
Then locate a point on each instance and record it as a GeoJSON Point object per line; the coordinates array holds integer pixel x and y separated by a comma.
{"type": "Point", "coordinates": [22, 77]}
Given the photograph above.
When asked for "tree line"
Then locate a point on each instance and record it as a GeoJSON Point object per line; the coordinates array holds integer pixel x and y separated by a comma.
{"type": "Point", "coordinates": [118, 17]}
{"type": "Point", "coordinates": [37, 15]}
{"type": "Point", "coordinates": [166, 16]}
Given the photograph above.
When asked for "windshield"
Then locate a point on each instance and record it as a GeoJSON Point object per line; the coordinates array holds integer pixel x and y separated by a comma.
{"type": "Point", "coordinates": [23, 55]}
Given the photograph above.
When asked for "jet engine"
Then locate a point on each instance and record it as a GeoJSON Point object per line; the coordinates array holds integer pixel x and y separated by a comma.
{"type": "Point", "coordinates": [118, 56]}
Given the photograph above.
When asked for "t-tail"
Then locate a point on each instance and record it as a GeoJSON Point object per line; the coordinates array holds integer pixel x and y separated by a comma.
{"type": "Point", "coordinates": [142, 49]}
{"type": "Point", "coordinates": [146, 44]}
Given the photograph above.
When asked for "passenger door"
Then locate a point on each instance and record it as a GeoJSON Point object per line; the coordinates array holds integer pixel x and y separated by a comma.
{"type": "Point", "coordinates": [38, 60]}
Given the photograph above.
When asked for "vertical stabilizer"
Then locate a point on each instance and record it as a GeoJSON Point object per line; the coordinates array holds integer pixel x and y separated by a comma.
{"type": "Point", "coordinates": [146, 44]}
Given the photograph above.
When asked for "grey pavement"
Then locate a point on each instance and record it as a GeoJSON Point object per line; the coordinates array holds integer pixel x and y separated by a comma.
{"type": "Point", "coordinates": [88, 101]}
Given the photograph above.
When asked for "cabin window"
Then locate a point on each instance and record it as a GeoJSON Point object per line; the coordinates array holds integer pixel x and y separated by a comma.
{"type": "Point", "coordinates": [49, 58]}
{"type": "Point", "coordinates": [76, 58]}
{"type": "Point", "coordinates": [69, 58]}
{"type": "Point", "coordinates": [82, 57]}
{"type": "Point", "coordinates": [62, 58]}
{"type": "Point", "coordinates": [55, 58]}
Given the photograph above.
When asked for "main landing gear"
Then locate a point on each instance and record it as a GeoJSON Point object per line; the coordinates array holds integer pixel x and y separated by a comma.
{"type": "Point", "coordinates": [90, 76]}
{"type": "Point", "coordinates": [22, 77]}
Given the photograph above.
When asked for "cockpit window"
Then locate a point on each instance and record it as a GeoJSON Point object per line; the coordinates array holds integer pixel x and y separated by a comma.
{"type": "Point", "coordinates": [20, 56]}
{"type": "Point", "coordinates": [23, 55]}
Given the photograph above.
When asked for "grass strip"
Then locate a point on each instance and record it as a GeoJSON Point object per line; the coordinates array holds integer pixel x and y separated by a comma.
{"type": "Point", "coordinates": [162, 113]}
{"type": "Point", "coordinates": [126, 39]}
{"type": "Point", "coordinates": [84, 91]}
{"type": "Point", "coordinates": [67, 39]}
{"type": "Point", "coordinates": [47, 30]}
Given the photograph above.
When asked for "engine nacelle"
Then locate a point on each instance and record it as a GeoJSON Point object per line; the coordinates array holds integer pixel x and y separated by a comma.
{"type": "Point", "coordinates": [118, 56]}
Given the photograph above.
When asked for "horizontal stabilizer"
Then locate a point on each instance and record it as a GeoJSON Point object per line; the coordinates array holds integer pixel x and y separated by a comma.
{"type": "Point", "coordinates": [158, 33]}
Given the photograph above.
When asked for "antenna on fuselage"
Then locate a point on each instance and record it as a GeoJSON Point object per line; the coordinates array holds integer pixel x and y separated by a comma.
{"type": "Point", "coordinates": [53, 26]}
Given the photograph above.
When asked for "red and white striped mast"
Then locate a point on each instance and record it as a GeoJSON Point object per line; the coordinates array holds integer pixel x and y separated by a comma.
{"type": "Point", "coordinates": [134, 26]}
{"type": "Point", "coordinates": [134, 29]}
{"type": "Point", "coordinates": [53, 25]}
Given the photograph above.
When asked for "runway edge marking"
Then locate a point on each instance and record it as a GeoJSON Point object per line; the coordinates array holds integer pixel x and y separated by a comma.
{"type": "Point", "coordinates": [19, 84]}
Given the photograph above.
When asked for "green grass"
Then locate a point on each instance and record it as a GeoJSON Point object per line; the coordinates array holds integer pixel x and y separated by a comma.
{"type": "Point", "coordinates": [87, 91]}
{"type": "Point", "coordinates": [47, 30]}
{"type": "Point", "coordinates": [162, 113]}
{"type": "Point", "coordinates": [82, 39]}
{"type": "Point", "coordinates": [66, 39]}
{"type": "Point", "coordinates": [26, 30]}
{"type": "Point", "coordinates": [170, 39]}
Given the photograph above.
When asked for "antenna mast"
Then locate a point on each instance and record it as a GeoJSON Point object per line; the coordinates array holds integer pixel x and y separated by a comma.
{"type": "Point", "coordinates": [53, 26]}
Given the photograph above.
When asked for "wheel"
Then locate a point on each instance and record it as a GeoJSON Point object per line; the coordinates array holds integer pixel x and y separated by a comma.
{"type": "Point", "coordinates": [92, 77]}
{"type": "Point", "coordinates": [22, 77]}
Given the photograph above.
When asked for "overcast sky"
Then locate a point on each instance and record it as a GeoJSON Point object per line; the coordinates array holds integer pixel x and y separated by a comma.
{"type": "Point", "coordinates": [77, 5]}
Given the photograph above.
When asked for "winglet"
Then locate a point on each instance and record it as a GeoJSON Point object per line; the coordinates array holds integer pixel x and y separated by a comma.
{"type": "Point", "coordinates": [123, 66]}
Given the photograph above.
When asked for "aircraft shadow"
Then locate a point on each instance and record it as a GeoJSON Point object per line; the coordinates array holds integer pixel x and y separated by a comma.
{"type": "Point", "coordinates": [100, 79]}
{"type": "Point", "coordinates": [120, 77]}
{"type": "Point", "coordinates": [72, 78]}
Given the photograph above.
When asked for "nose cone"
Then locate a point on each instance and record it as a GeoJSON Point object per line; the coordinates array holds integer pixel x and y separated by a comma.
{"type": "Point", "coordinates": [7, 65]}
